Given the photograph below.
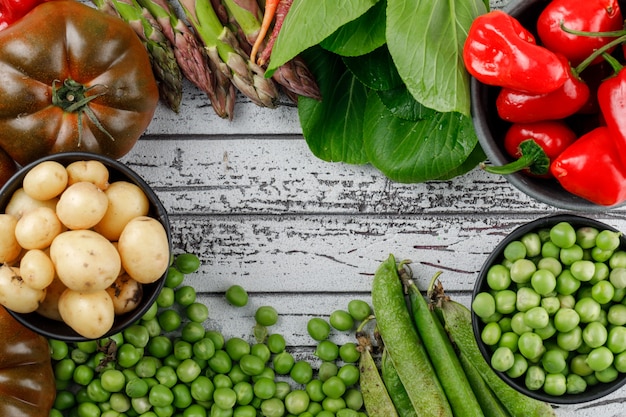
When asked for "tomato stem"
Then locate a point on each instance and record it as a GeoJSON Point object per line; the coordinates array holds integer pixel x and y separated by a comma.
{"type": "Point", "coordinates": [72, 98]}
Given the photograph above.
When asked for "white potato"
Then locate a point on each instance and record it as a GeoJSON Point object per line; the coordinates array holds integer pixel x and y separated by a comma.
{"type": "Point", "coordinates": [9, 247]}
{"type": "Point", "coordinates": [15, 294]}
{"type": "Point", "coordinates": [81, 206]}
{"type": "Point", "coordinates": [49, 307]}
{"type": "Point", "coordinates": [90, 314]}
{"type": "Point", "coordinates": [126, 294]}
{"type": "Point", "coordinates": [37, 228]}
{"type": "Point", "coordinates": [144, 249]}
{"type": "Point", "coordinates": [21, 202]}
{"type": "Point", "coordinates": [37, 269]}
{"type": "Point", "coordinates": [45, 180]}
{"type": "Point", "coordinates": [126, 201]}
{"type": "Point", "coordinates": [85, 260]}
{"type": "Point", "coordinates": [90, 171]}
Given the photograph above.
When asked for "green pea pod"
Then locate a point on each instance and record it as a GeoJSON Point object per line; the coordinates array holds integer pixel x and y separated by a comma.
{"type": "Point", "coordinates": [375, 395]}
{"type": "Point", "coordinates": [441, 352]}
{"type": "Point", "coordinates": [457, 320]}
{"type": "Point", "coordinates": [490, 405]}
{"type": "Point", "coordinates": [404, 345]}
{"type": "Point", "coordinates": [396, 390]}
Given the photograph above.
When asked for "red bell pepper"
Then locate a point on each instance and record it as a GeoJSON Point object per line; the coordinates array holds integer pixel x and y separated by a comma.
{"type": "Point", "coordinates": [561, 18]}
{"type": "Point", "coordinates": [612, 102]}
{"type": "Point", "coordinates": [499, 51]}
{"type": "Point", "coordinates": [520, 107]}
{"type": "Point", "coordinates": [534, 145]}
{"type": "Point", "coordinates": [13, 10]}
{"type": "Point", "coordinates": [591, 168]}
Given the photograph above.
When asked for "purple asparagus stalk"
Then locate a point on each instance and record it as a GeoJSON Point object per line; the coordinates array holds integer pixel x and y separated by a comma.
{"type": "Point", "coordinates": [164, 64]}
{"type": "Point", "coordinates": [193, 59]}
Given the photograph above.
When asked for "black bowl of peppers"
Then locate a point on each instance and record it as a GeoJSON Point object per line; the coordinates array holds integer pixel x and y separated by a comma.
{"type": "Point", "coordinates": [549, 99]}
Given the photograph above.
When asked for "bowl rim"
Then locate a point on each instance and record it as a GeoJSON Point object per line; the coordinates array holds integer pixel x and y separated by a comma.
{"type": "Point", "coordinates": [595, 392]}
{"type": "Point", "coordinates": [39, 323]}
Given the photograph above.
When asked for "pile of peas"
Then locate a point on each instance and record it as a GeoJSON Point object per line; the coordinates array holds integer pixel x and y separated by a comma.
{"type": "Point", "coordinates": [168, 365]}
{"type": "Point", "coordinates": [554, 312]}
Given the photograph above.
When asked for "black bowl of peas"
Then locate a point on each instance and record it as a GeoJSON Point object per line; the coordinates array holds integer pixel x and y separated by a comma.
{"type": "Point", "coordinates": [549, 309]}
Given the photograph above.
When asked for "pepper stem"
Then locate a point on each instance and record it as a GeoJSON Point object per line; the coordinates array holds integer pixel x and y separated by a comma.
{"type": "Point", "coordinates": [619, 35]}
{"type": "Point", "coordinates": [533, 158]}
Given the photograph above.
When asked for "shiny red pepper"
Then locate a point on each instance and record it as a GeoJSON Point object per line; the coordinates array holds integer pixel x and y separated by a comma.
{"type": "Point", "coordinates": [13, 10]}
{"type": "Point", "coordinates": [534, 145]}
{"type": "Point", "coordinates": [612, 101]}
{"type": "Point", "coordinates": [499, 51]}
{"type": "Point", "coordinates": [520, 107]}
{"type": "Point", "coordinates": [581, 16]}
{"type": "Point", "coordinates": [591, 168]}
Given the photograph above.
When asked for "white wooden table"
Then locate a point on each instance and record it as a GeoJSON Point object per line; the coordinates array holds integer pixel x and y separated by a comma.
{"type": "Point", "coordinates": [305, 236]}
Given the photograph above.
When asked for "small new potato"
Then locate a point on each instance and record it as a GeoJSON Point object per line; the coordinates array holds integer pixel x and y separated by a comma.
{"type": "Point", "coordinates": [10, 249]}
{"type": "Point", "coordinates": [37, 228]}
{"type": "Point", "coordinates": [15, 294]}
{"type": "Point", "coordinates": [90, 314]}
{"type": "Point", "coordinates": [82, 205]}
{"type": "Point", "coordinates": [126, 201]}
{"type": "Point", "coordinates": [85, 260]}
{"type": "Point", "coordinates": [126, 294]}
{"type": "Point", "coordinates": [21, 202]}
{"type": "Point", "coordinates": [45, 180]}
{"type": "Point", "coordinates": [37, 269]}
{"type": "Point", "coordinates": [49, 307]}
{"type": "Point", "coordinates": [144, 249]}
{"type": "Point", "coordinates": [90, 171]}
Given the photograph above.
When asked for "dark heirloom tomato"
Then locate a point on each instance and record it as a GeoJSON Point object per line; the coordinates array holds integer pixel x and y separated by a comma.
{"type": "Point", "coordinates": [27, 387]}
{"type": "Point", "coordinates": [72, 78]}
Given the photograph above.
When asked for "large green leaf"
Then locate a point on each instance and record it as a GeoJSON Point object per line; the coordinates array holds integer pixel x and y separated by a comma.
{"type": "Point", "coordinates": [425, 39]}
{"type": "Point", "coordinates": [333, 127]}
{"type": "Point", "coordinates": [416, 151]}
{"type": "Point", "coordinates": [375, 69]}
{"type": "Point", "coordinates": [311, 21]}
{"type": "Point", "coordinates": [402, 104]}
{"type": "Point", "coordinates": [362, 35]}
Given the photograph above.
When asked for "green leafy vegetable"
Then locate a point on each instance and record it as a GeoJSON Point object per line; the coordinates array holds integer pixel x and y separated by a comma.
{"type": "Point", "coordinates": [333, 127]}
{"type": "Point", "coordinates": [360, 36]}
{"type": "Point", "coordinates": [395, 92]}
{"type": "Point", "coordinates": [407, 151]}
{"type": "Point", "coordinates": [375, 69]}
{"type": "Point", "coordinates": [310, 22]}
{"type": "Point", "coordinates": [425, 39]}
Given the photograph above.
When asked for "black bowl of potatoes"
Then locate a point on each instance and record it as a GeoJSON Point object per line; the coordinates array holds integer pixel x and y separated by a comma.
{"type": "Point", "coordinates": [85, 246]}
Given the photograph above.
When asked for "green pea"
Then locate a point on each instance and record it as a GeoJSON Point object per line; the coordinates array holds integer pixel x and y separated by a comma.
{"type": "Point", "coordinates": [536, 318]}
{"type": "Point", "coordinates": [159, 346]}
{"type": "Point", "coordinates": [359, 309]}
{"type": "Point", "coordinates": [160, 396]}
{"type": "Point", "coordinates": [283, 362]}
{"type": "Point", "coordinates": [527, 298]}
{"type": "Point", "coordinates": [58, 349]}
{"type": "Point", "coordinates": [225, 398]}
{"type": "Point", "coordinates": [334, 387]}
{"type": "Point", "coordinates": [318, 328]}
{"type": "Point", "coordinates": [341, 320]}
{"type": "Point", "coordinates": [236, 295]}
{"type": "Point", "coordinates": [349, 374]}
{"type": "Point", "coordinates": [553, 361]}
{"type": "Point", "coordinates": [244, 392]}
{"type": "Point", "coordinates": [166, 375]}
{"type": "Point", "coordinates": [187, 263]}
{"type": "Point", "coordinates": [490, 335]}
{"type": "Point", "coordinates": [251, 364]}
{"type": "Point", "coordinates": [535, 377]}
{"type": "Point", "coordinates": [169, 320]}
{"type": "Point", "coordinates": [348, 352]}
{"type": "Point", "coordinates": [505, 301]}
{"type": "Point", "coordinates": [532, 242]}
{"type": "Point", "coordinates": [555, 384]}
{"type": "Point", "coordinates": [519, 367]}
{"type": "Point", "coordinates": [575, 384]}
{"type": "Point", "coordinates": [566, 283]}
{"type": "Point", "coordinates": [314, 389]}
{"type": "Point", "coordinates": [204, 349]}
{"type": "Point", "coordinates": [236, 348]}
{"type": "Point", "coordinates": [514, 250]}
{"type": "Point", "coordinates": [297, 402]}
{"type": "Point", "coordinates": [264, 388]}
{"type": "Point", "coordinates": [174, 277]}
{"type": "Point", "coordinates": [502, 359]}
{"type": "Point", "coordinates": [522, 270]}
{"type": "Point", "coordinates": [498, 277]}
{"type": "Point", "coordinates": [188, 370]}
{"type": "Point", "coordinates": [166, 298]}
{"type": "Point", "coordinates": [83, 374]}
{"type": "Point", "coordinates": [113, 380]}
{"type": "Point", "coordinates": [276, 343]}
{"type": "Point", "coordinates": [327, 350]}
{"type": "Point", "coordinates": [484, 305]}
{"type": "Point", "coordinates": [182, 396]}
{"type": "Point", "coordinates": [570, 255]}
{"type": "Point", "coordinates": [273, 407]}
{"type": "Point", "coordinates": [326, 370]}
{"type": "Point", "coordinates": [563, 235]}
{"type": "Point", "coordinates": [266, 316]}
{"type": "Point", "coordinates": [301, 372]}
{"type": "Point", "coordinates": [185, 295]}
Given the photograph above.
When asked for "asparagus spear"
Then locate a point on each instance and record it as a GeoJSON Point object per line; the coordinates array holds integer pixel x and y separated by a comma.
{"type": "Point", "coordinates": [164, 65]}
{"type": "Point", "coordinates": [193, 59]}
{"type": "Point", "coordinates": [222, 47]}
{"type": "Point", "coordinates": [294, 75]}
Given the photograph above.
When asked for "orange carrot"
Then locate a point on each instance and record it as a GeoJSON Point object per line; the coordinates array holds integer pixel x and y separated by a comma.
{"type": "Point", "coordinates": [268, 17]}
